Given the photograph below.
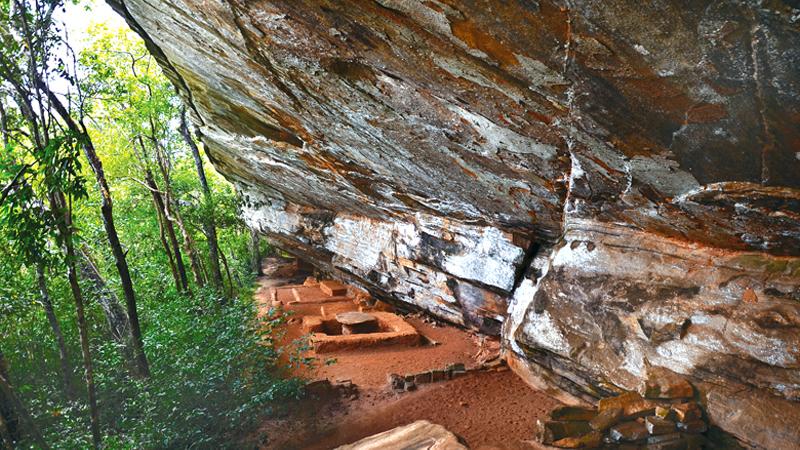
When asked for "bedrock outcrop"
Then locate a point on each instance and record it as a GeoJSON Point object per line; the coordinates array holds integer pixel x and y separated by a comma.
{"type": "Point", "coordinates": [610, 186]}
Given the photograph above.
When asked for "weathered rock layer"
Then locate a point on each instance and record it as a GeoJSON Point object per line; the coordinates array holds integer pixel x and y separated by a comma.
{"type": "Point", "coordinates": [612, 186]}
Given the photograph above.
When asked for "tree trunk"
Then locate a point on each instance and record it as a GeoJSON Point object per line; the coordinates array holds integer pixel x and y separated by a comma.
{"type": "Point", "coordinates": [16, 412]}
{"type": "Point", "coordinates": [60, 207]}
{"type": "Point", "coordinates": [209, 224]}
{"type": "Point", "coordinates": [188, 245]}
{"type": "Point", "coordinates": [173, 213]}
{"type": "Point", "coordinates": [227, 271]}
{"type": "Point", "coordinates": [255, 253]}
{"type": "Point", "coordinates": [164, 225]}
{"type": "Point", "coordinates": [106, 209]}
{"type": "Point", "coordinates": [173, 239]}
{"type": "Point", "coordinates": [66, 367]}
{"type": "Point", "coordinates": [118, 321]}
{"type": "Point", "coordinates": [163, 236]}
{"type": "Point", "coordinates": [4, 124]}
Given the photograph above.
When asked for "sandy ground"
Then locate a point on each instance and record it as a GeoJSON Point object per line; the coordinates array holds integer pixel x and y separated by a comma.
{"type": "Point", "coordinates": [487, 409]}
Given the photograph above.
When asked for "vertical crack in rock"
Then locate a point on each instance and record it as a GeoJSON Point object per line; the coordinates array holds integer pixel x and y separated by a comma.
{"type": "Point", "coordinates": [525, 267]}
{"type": "Point", "coordinates": [568, 56]}
{"type": "Point", "coordinates": [768, 142]}
{"type": "Point", "coordinates": [570, 125]}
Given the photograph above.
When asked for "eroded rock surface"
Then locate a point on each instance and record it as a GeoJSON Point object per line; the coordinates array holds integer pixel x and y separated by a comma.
{"type": "Point", "coordinates": [612, 185]}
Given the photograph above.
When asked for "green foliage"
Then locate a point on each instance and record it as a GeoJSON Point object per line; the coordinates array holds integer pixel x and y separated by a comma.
{"type": "Point", "coordinates": [215, 366]}
{"type": "Point", "coordinates": [211, 373]}
{"type": "Point", "coordinates": [36, 173]}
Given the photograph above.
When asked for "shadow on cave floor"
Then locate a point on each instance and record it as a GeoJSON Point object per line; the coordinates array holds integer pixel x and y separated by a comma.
{"type": "Point", "coordinates": [459, 381]}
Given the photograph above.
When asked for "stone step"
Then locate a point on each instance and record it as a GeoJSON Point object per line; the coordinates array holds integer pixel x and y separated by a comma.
{"type": "Point", "coordinates": [332, 288]}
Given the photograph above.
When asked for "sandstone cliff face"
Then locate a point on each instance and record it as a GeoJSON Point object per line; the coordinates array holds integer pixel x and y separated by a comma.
{"type": "Point", "coordinates": [610, 186]}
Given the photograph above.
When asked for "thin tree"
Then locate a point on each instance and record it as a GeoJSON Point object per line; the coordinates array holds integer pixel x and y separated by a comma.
{"type": "Point", "coordinates": [49, 311]}
{"type": "Point", "coordinates": [24, 66]}
{"type": "Point", "coordinates": [162, 235]}
{"type": "Point", "coordinates": [172, 210]}
{"type": "Point", "coordinates": [228, 272]}
{"type": "Point", "coordinates": [165, 222]}
{"type": "Point", "coordinates": [33, 253]}
{"type": "Point", "coordinates": [79, 129]}
{"type": "Point", "coordinates": [209, 220]}
{"type": "Point", "coordinates": [255, 253]}
{"type": "Point", "coordinates": [63, 209]}
{"type": "Point", "coordinates": [118, 321]}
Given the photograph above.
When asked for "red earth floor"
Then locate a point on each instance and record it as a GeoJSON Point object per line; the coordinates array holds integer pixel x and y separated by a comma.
{"type": "Point", "coordinates": [488, 409]}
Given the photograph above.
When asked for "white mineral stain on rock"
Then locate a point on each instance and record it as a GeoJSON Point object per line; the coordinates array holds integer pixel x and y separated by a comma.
{"type": "Point", "coordinates": [539, 75]}
{"type": "Point", "coordinates": [499, 139]}
{"type": "Point", "coordinates": [360, 240]}
{"type": "Point", "coordinates": [474, 266]}
{"type": "Point", "coordinates": [268, 215]}
{"type": "Point", "coordinates": [458, 69]}
{"type": "Point", "coordinates": [542, 330]}
{"type": "Point", "coordinates": [772, 351]}
{"type": "Point", "coordinates": [679, 356]}
{"type": "Point", "coordinates": [663, 174]}
{"type": "Point", "coordinates": [435, 19]}
{"type": "Point", "coordinates": [490, 258]}
{"type": "Point", "coordinates": [634, 359]}
{"type": "Point", "coordinates": [576, 171]}
{"type": "Point", "coordinates": [520, 302]}
{"type": "Point", "coordinates": [666, 72]}
{"type": "Point", "coordinates": [580, 256]}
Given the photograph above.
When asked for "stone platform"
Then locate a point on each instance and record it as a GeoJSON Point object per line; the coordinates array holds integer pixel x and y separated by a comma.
{"type": "Point", "coordinates": [327, 335]}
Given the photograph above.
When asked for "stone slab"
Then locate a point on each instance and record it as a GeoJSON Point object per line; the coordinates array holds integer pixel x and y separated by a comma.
{"type": "Point", "coordinates": [419, 435]}
{"type": "Point", "coordinates": [332, 288]}
{"type": "Point", "coordinates": [313, 294]}
{"type": "Point", "coordinates": [355, 318]}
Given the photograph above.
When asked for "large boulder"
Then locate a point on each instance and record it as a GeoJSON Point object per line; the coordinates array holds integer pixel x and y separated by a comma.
{"type": "Point", "coordinates": [611, 186]}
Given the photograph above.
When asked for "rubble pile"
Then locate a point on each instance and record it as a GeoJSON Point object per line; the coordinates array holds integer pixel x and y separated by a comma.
{"type": "Point", "coordinates": [661, 416]}
{"type": "Point", "coordinates": [409, 382]}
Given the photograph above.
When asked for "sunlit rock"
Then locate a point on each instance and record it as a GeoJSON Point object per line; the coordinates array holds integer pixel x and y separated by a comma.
{"type": "Point", "coordinates": [612, 186]}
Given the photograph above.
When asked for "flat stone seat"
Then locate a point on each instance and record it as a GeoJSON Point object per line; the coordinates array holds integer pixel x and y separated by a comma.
{"type": "Point", "coordinates": [354, 322]}
{"type": "Point", "coordinates": [332, 288]}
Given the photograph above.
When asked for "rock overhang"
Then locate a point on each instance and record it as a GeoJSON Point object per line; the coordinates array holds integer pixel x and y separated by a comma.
{"type": "Point", "coordinates": [610, 185]}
